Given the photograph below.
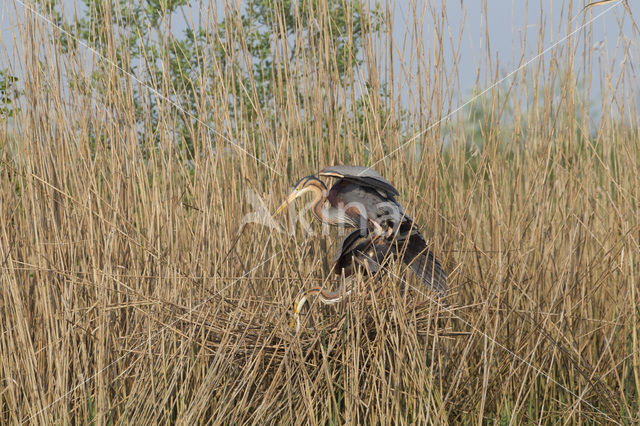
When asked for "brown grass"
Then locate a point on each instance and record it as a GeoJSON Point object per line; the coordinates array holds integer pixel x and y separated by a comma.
{"type": "Point", "coordinates": [118, 303]}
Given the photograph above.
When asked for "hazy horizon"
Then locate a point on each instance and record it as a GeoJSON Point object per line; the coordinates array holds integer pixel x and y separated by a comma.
{"type": "Point", "coordinates": [513, 43]}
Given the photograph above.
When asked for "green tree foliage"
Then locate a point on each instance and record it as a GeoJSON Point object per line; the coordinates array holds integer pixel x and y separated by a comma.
{"type": "Point", "coordinates": [8, 93]}
{"type": "Point", "coordinates": [253, 49]}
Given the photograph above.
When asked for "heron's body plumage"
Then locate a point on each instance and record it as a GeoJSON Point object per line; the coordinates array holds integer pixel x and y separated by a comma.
{"type": "Point", "coordinates": [361, 198]}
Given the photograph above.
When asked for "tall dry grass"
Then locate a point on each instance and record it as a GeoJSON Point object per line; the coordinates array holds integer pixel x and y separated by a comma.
{"type": "Point", "coordinates": [119, 304]}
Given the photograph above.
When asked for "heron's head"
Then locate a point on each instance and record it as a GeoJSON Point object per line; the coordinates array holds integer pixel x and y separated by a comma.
{"type": "Point", "coordinates": [304, 185]}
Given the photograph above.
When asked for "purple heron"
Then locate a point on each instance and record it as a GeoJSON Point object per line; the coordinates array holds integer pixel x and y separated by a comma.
{"type": "Point", "coordinates": [363, 199]}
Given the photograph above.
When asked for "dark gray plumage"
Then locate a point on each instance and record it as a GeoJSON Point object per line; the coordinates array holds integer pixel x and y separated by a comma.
{"type": "Point", "coordinates": [365, 204]}
{"type": "Point", "coordinates": [362, 175]}
{"type": "Point", "coordinates": [367, 254]}
{"type": "Point", "coordinates": [358, 252]}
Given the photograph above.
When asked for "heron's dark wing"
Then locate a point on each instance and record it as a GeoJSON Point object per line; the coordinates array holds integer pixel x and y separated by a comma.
{"type": "Point", "coordinates": [360, 175]}
{"type": "Point", "coordinates": [348, 244]}
{"type": "Point", "coordinates": [360, 251]}
{"type": "Point", "coordinates": [412, 248]}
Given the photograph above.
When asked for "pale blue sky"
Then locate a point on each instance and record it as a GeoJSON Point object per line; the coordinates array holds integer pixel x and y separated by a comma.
{"type": "Point", "coordinates": [508, 23]}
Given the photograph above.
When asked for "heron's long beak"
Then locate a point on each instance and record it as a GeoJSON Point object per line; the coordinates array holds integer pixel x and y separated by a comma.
{"type": "Point", "coordinates": [288, 201]}
{"type": "Point", "coordinates": [295, 194]}
{"type": "Point", "coordinates": [295, 320]}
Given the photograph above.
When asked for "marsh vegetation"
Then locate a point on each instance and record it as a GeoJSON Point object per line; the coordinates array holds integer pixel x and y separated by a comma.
{"type": "Point", "coordinates": [130, 152]}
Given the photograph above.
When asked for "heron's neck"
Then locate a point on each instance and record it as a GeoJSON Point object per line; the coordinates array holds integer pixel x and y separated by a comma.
{"type": "Point", "coordinates": [318, 202]}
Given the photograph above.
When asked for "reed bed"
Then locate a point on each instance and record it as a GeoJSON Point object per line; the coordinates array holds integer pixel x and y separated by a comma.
{"type": "Point", "coordinates": [128, 294]}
